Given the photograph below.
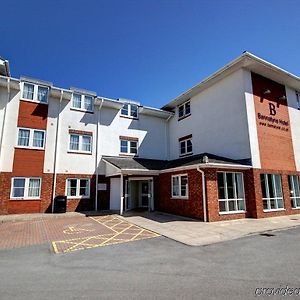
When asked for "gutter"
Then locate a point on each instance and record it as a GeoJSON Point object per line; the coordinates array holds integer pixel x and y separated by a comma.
{"type": "Point", "coordinates": [4, 117]}
{"type": "Point", "coordinates": [96, 158]}
{"type": "Point", "coordinates": [55, 152]}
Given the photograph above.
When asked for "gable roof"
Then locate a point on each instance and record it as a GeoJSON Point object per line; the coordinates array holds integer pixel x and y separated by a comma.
{"type": "Point", "coordinates": [248, 61]}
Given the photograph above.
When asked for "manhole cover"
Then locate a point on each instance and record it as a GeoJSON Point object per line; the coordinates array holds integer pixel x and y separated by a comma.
{"type": "Point", "coordinates": [267, 234]}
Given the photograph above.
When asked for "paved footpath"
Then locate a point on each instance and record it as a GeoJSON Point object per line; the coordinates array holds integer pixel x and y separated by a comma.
{"type": "Point", "coordinates": [195, 233]}
{"type": "Point", "coordinates": [67, 234]}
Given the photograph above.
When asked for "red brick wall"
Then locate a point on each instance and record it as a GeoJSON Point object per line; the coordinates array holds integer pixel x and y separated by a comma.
{"type": "Point", "coordinates": [191, 207]}
{"type": "Point", "coordinates": [76, 204]}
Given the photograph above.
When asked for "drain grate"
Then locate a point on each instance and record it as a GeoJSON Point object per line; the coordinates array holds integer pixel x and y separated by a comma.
{"type": "Point", "coordinates": [267, 234]}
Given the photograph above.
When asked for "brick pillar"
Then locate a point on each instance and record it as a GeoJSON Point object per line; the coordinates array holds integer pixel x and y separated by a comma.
{"type": "Point", "coordinates": [252, 192]}
{"type": "Point", "coordinates": [212, 202]}
{"type": "Point", "coordinates": [286, 194]}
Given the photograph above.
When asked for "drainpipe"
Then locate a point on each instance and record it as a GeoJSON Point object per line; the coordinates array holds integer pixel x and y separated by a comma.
{"type": "Point", "coordinates": [121, 195]}
{"type": "Point", "coordinates": [167, 138]}
{"type": "Point", "coordinates": [55, 152]}
{"type": "Point", "coordinates": [203, 194]}
{"type": "Point", "coordinates": [4, 116]}
{"type": "Point", "coordinates": [96, 159]}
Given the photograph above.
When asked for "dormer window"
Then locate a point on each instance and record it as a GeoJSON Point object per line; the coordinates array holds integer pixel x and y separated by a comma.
{"type": "Point", "coordinates": [130, 110]}
{"type": "Point", "coordinates": [184, 110]}
{"type": "Point", "coordinates": [35, 92]}
{"type": "Point", "coordinates": [82, 102]}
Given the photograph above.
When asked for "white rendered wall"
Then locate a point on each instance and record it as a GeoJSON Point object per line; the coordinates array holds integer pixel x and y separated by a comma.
{"type": "Point", "coordinates": [10, 128]}
{"type": "Point", "coordinates": [218, 121]}
{"type": "Point", "coordinates": [149, 130]}
{"type": "Point", "coordinates": [294, 115]}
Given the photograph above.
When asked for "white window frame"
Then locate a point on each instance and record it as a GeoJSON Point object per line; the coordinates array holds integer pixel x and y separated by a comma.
{"type": "Point", "coordinates": [31, 135]}
{"type": "Point", "coordinates": [185, 141]}
{"type": "Point", "coordinates": [80, 144]}
{"type": "Point", "coordinates": [268, 199]}
{"type": "Point", "coordinates": [128, 115]}
{"type": "Point", "coordinates": [298, 99]}
{"type": "Point", "coordinates": [26, 189]}
{"type": "Point", "coordinates": [35, 92]}
{"type": "Point", "coordinates": [292, 185]}
{"type": "Point", "coordinates": [235, 193]}
{"type": "Point", "coordinates": [78, 188]}
{"type": "Point", "coordinates": [185, 114]}
{"type": "Point", "coordinates": [129, 146]}
{"type": "Point", "coordinates": [179, 196]}
{"type": "Point", "coordinates": [82, 99]}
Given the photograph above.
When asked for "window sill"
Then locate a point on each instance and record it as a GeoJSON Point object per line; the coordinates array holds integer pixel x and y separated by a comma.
{"type": "Point", "coordinates": [33, 101]}
{"type": "Point", "coordinates": [79, 152]}
{"type": "Point", "coordinates": [25, 199]}
{"type": "Point", "coordinates": [271, 210]}
{"type": "Point", "coordinates": [184, 117]}
{"type": "Point", "coordinates": [82, 110]}
{"type": "Point", "coordinates": [128, 155]}
{"type": "Point", "coordinates": [128, 117]}
{"type": "Point", "coordinates": [186, 154]}
{"type": "Point", "coordinates": [29, 148]}
{"type": "Point", "coordinates": [232, 212]}
{"type": "Point", "coordinates": [179, 198]}
{"type": "Point", "coordinates": [296, 207]}
{"type": "Point", "coordinates": [77, 197]}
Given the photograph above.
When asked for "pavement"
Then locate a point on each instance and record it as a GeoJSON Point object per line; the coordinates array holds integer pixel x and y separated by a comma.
{"type": "Point", "coordinates": [196, 233]}
{"type": "Point", "coordinates": [157, 268]}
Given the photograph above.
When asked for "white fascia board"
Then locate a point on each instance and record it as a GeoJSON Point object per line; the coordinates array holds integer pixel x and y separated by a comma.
{"type": "Point", "coordinates": [209, 165]}
{"type": "Point", "coordinates": [156, 112]}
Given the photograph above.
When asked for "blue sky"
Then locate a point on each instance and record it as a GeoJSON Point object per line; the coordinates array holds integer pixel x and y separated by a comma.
{"type": "Point", "coordinates": [146, 50]}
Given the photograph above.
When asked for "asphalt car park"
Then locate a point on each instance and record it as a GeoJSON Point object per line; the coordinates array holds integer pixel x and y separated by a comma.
{"type": "Point", "coordinates": [155, 268]}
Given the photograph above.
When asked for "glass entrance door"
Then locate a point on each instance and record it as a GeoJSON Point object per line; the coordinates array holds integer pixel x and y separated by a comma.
{"type": "Point", "coordinates": [144, 192]}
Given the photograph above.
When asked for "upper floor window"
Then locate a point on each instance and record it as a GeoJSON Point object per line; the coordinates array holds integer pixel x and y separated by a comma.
{"type": "Point", "coordinates": [130, 110]}
{"type": "Point", "coordinates": [231, 192]}
{"type": "Point", "coordinates": [294, 191]}
{"type": "Point", "coordinates": [184, 110]}
{"type": "Point", "coordinates": [271, 191]}
{"type": "Point", "coordinates": [35, 92]}
{"type": "Point", "coordinates": [80, 143]}
{"type": "Point", "coordinates": [298, 99]}
{"type": "Point", "coordinates": [128, 145]}
{"type": "Point", "coordinates": [185, 145]}
{"type": "Point", "coordinates": [82, 102]}
{"type": "Point", "coordinates": [31, 138]}
{"type": "Point", "coordinates": [26, 188]}
{"type": "Point", "coordinates": [78, 188]}
{"type": "Point", "coordinates": [180, 186]}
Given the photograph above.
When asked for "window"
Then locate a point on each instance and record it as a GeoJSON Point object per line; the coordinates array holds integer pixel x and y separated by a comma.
{"type": "Point", "coordinates": [294, 191]}
{"type": "Point", "coordinates": [128, 146]}
{"type": "Point", "coordinates": [130, 110]}
{"type": "Point", "coordinates": [78, 188]}
{"type": "Point", "coordinates": [185, 146]}
{"type": "Point", "coordinates": [231, 192]}
{"type": "Point", "coordinates": [298, 99]}
{"type": "Point", "coordinates": [80, 143]}
{"type": "Point", "coordinates": [82, 102]}
{"type": "Point", "coordinates": [26, 188]}
{"type": "Point", "coordinates": [35, 92]}
{"type": "Point", "coordinates": [31, 138]}
{"type": "Point", "coordinates": [184, 110]}
{"type": "Point", "coordinates": [180, 186]}
{"type": "Point", "coordinates": [271, 192]}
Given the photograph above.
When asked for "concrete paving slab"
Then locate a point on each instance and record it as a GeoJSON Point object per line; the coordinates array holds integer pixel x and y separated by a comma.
{"type": "Point", "coordinates": [196, 233]}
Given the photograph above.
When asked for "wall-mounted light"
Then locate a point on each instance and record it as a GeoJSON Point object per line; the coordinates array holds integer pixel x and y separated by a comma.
{"type": "Point", "coordinates": [266, 92]}
{"type": "Point", "coordinates": [282, 97]}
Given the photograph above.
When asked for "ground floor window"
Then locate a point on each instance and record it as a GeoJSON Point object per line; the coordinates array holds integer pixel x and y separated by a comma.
{"type": "Point", "coordinates": [180, 186]}
{"type": "Point", "coordinates": [231, 192]}
{"type": "Point", "coordinates": [294, 191]}
{"type": "Point", "coordinates": [25, 188]}
{"type": "Point", "coordinates": [78, 187]}
{"type": "Point", "coordinates": [271, 191]}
